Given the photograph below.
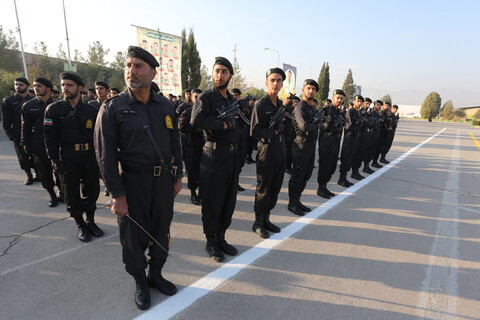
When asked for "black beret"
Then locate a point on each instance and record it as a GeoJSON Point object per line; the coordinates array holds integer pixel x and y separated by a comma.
{"type": "Point", "coordinates": [395, 106]}
{"type": "Point", "coordinates": [31, 90]}
{"type": "Point", "coordinates": [68, 75]}
{"type": "Point", "coordinates": [315, 100]}
{"type": "Point", "coordinates": [103, 84]}
{"type": "Point", "coordinates": [91, 90]}
{"type": "Point", "coordinates": [55, 91]}
{"type": "Point", "coordinates": [155, 87]}
{"type": "Point", "coordinates": [295, 98]}
{"type": "Point", "coordinates": [338, 91]}
{"type": "Point", "coordinates": [188, 90]}
{"type": "Point", "coordinates": [142, 54]}
{"type": "Point", "coordinates": [368, 100]}
{"type": "Point", "coordinates": [386, 102]}
{"type": "Point", "coordinates": [224, 62]}
{"type": "Point", "coordinates": [24, 80]}
{"type": "Point", "coordinates": [115, 89]}
{"type": "Point", "coordinates": [359, 97]}
{"type": "Point", "coordinates": [171, 95]}
{"type": "Point", "coordinates": [310, 82]}
{"type": "Point", "coordinates": [197, 91]}
{"type": "Point", "coordinates": [379, 101]}
{"type": "Point", "coordinates": [236, 90]}
{"type": "Point", "coordinates": [276, 70]}
{"type": "Point", "coordinates": [83, 92]}
{"type": "Point", "coordinates": [47, 83]}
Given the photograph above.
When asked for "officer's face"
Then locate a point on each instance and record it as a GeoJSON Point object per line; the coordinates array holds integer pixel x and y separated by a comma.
{"type": "Point", "coordinates": [237, 96]}
{"type": "Point", "coordinates": [221, 76]}
{"type": "Point", "coordinates": [366, 105]}
{"type": "Point", "coordinates": [188, 96]}
{"type": "Point", "coordinates": [294, 103]}
{"type": "Point", "coordinates": [194, 97]}
{"type": "Point", "coordinates": [337, 100]}
{"type": "Point", "coordinates": [102, 92]}
{"type": "Point", "coordinates": [70, 89]}
{"type": "Point", "coordinates": [394, 110]}
{"type": "Point", "coordinates": [357, 104]}
{"type": "Point", "coordinates": [377, 106]}
{"type": "Point", "coordinates": [138, 73]}
{"type": "Point", "coordinates": [274, 83]}
{"type": "Point", "coordinates": [385, 107]}
{"type": "Point", "coordinates": [309, 91]}
{"type": "Point", "coordinates": [40, 89]}
{"type": "Point", "coordinates": [20, 87]}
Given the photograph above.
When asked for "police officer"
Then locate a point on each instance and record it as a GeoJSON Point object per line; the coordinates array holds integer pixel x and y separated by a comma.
{"type": "Point", "coordinates": [385, 125]}
{"type": "Point", "coordinates": [101, 89]}
{"type": "Point", "coordinates": [353, 124]}
{"type": "Point", "coordinates": [377, 124]}
{"type": "Point", "coordinates": [362, 140]}
{"type": "Point", "coordinates": [68, 128]}
{"type": "Point", "coordinates": [193, 149]}
{"type": "Point", "coordinates": [303, 147]}
{"type": "Point", "coordinates": [368, 132]}
{"type": "Point", "coordinates": [219, 164]}
{"type": "Point", "coordinates": [392, 119]}
{"type": "Point", "coordinates": [33, 139]}
{"type": "Point", "coordinates": [243, 131]}
{"type": "Point", "coordinates": [251, 141]}
{"type": "Point", "coordinates": [289, 132]}
{"type": "Point", "coordinates": [179, 110]}
{"type": "Point", "coordinates": [12, 123]}
{"type": "Point", "coordinates": [136, 128]}
{"type": "Point", "coordinates": [267, 127]}
{"type": "Point", "coordinates": [333, 120]}
{"type": "Point", "coordinates": [114, 92]}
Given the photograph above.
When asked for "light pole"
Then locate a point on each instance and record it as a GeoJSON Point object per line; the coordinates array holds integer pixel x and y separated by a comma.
{"type": "Point", "coordinates": [278, 55]}
{"type": "Point", "coordinates": [21, 42]}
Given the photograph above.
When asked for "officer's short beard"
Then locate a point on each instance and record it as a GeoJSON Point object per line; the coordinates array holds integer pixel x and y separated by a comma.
{"type": "Point", "coordinates": [225, 85]}
{"type": "Point", "coordinates": [72, 96]}
{"type": "Point", "coordinates": [22, 91]}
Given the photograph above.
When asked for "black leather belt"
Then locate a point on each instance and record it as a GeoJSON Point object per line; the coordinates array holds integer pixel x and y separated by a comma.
{"type": "Point", "coordinates": [79, 146]}
{"type": "Point", "coordinates": [155, 171]}
{"type": "Point", "coordinates": [352, 133]}
{"type": "Point", "coordinates": [277, 139]}
{"type": "Point", "coordinates": [218, 146]}
{"type": "Point", "coordinates": [333, 134]}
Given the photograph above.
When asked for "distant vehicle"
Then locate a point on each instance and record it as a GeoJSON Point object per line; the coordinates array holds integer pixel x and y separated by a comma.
{"type": "Point", "coordinates": [411, 115]}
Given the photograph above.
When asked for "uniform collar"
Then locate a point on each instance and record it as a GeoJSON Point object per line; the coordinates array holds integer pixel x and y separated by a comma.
{"type": "Point", "coordinates": [132, 99]}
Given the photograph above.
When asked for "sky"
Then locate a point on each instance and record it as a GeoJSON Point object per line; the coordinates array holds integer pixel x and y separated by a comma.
{"type": "Point", "coordinates": [405, 48]}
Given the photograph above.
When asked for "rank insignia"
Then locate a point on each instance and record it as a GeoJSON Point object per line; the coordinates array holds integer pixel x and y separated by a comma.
{"type": "Point", "coordinates": [89, 124]}
{"type": "Point", "coordinates": [168, 122]}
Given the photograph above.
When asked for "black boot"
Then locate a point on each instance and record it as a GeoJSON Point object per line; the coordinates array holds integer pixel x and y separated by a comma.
{"type": "Point", "coordinates": [213, 250]}
{"type": "Point", "coordinates": [322, 193]}
{"type": "Point", "coordinates": [295, 209]}
{"type": "Point", "coordinates": [92, 227]}
{"type": "Point", "coordinates": [29, 179]}
{"type": "Point", "coordinates": [367, 169]}
{"type": "Point", "coordinates": [156, 280]}
{"type": "Point", "coordinates": [383, 160]}
{"type": "Point", "coordinates": [259, 226]}
{"type": "Point", "coordinates": [356, 175]}
{"type": "Point", "coordinates": [249, 160]}
{"type": "Point", "coordinates": [224, 245]}
{"type": "Point", "coordinates": [269, 225]}
{"type": "Point", "coordinates": [303, 207]}
{"type": "Point", "coordinates": [194, 198]}
{"type": "Point", "coordinates": [142, 294]}
{"type": "Point", "coordinates": [53, 198]}
{"type": "Point", "coordinates": [342, 181]}
{"type": "Point", "coordinates": [240, 188]}
{"type": "Point", "coordinates": [83, 234]}
{"type": "Point", "coordinates": [331, 194]}
{"type": "Point", "coordinates": [375, 164]}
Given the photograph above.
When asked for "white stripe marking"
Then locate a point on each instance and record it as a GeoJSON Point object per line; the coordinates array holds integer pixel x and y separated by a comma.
{"type": "Point", "coordinates": [186, 297]}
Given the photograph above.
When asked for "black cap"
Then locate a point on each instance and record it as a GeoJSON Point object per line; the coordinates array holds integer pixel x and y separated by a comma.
{"type": "Point", "coordinates": [368, 100]}
{"type": "Point", "coordinates": [236, 90]}
{"type": "Point", "coordinates": [379, 101]}
{"type": "Point", "coordinates": [68, 75]}
{"type": "Point", "coordinates": [103, 84]}
{"type": "Point", "coordinates": [155, 87]}
{"type": "Point", "coordinates": [197, 91]}
{"type": "Point", "coordinates": [47, 83]}
{"type": "Point", "coordinates": [224, 62]}
{"type": "Point", "coordinates": [142, 54]}
{"type": "Point", "coordinates": [340, 92]}
{"type": "Point", "coordinates": [91, 90]}
{"type": "Point", "coordinates": [276, 70]}
{"type": "Point", "coordinates": [24, 80]}
{"type": "Point", "coordinates": [358, 97]}
{"type": "Point", "coordinates": [310, 82]}
{"type": "Point", "coordinates": [395, 106]}
{"type": "Point", "coordinates": [115, 89]}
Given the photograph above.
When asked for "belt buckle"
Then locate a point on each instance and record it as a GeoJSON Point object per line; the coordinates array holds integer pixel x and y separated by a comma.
{"type": "Point", "coordinates": [76, 147]}
{"type": "Point", "coordinates": [157, 171]}
{"type": "Point", "coordinates": [86, 146]}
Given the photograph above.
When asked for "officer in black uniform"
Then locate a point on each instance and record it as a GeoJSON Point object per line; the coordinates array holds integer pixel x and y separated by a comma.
{"type": "Point", "coordinates": [362, 140]}
{"type": "Point", "coordinates": [193, 149]}
{"type": "Point", "coordinates": [179, 110]}
{"type": "Point", "coordinates": [12, 123]}
{"type": "Point", "coordinates": [392, 121]}
{"type": "Point", "coordinates": [136, 129]}
{"type": "Point", "coordinates": [372, 148]}
{"type": "Point", "coordinates": [333, 120]}
{"type": "Point", "coordinates": [369, 132]}
{"type": "Point", "coordinates": [33, 139]}
{"type": "Point", "coordinates": [303, 147]}
{"type": "Point", "coordinates": [289, 132]}
{"type": "Point", "coordinates": [385, 124]}
{"type": "Point", "coordinates": [251, 141]}
{"type": "Point", "coordinates": [101, 89]}
{"type": "Point", "coordinates": [353, 124]}
{"type": "Point", "coordinates": [68, 128]}
{"type": "Point", "coordinates": [219, 164]}
{"type": "Point", "coordinates": [243, 131]}
{"type": "Point", "coordinates": [267, 127]}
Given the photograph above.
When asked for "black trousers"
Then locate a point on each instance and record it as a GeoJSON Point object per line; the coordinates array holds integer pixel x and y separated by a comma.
{"type": "Point", "coordinates": [360, 152]}
{"type": "Point", "coordinates": [270, 173]}
{"type": "Point", "coordinates": [349, 148]}
{"type": "Point", "coordinates": [44, 165]}
{"type": "Point", "coordinates": [242, 146]}
{"type": "Point", "coordinates": [328, 155]}
{"type": "Point", "coordinates": [193, 155]}
{"type": "Point", "coordinates": [289, 137]}
{"type": "Point", "coordinates": [371, 141]}
{"type": "Point", "coordinates": [82, 172]}
{"type": "Point", "coordinates": [382, 138]}
{"type": "Point", "coordinates": [26, 161]}
{"type": "Point", "coordinates": [303, 159]}
{"type": "Point", "coordinates": [388, 142]}
{"type": "Point", "coordinates": [250, 145]}
{"type": "Point", "coordinates": [150, 203]}
{"type": "Point", "coordinates": [183, 145]}
{"type": "Point", "coordinates": [218, 185]}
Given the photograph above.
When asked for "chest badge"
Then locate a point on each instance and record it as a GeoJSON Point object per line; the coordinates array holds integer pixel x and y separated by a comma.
{"type": "Point", "coordinates": [168, 122]}
{"type": "Point", "coordinates": [89, 124]}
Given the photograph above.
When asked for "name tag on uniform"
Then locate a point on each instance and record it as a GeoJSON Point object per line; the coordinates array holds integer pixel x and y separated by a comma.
{"type": "Point", "coordinates": [128, 112]}
{"type": "Point", "coordinates": [168, 122]}
{"type": "Point", "coordinates": [89, 124]}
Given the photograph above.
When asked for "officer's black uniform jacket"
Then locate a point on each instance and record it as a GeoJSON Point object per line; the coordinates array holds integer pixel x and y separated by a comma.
{"type": "Point", "coordinates": [353, 122]}
{"type": "Point", "coordinates": [194, 135]}
{"type": "Point", "coordinates": [329, 123]}
{"type": "Point", "coordinates": [12, 115]}
{"type": "Point", "coordinates": [182, 107]}
{"type": "Point", "coordinates": [96, 103]}
{"type": "Point", "coordinates": [263, 111]}
{"type": "Point", "coordinates": [64, 125]}
{"type": "Point", "coordinates": [32, 119]}
{"type": "Point", "coordinates": [204, 116]}
{"type": "Point", "coordinates": [120, 136]}
{"type": "Point", "coordinates": [304, 117]}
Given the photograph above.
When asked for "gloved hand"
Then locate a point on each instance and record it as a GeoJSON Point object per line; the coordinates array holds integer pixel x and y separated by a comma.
{"type": "Point", "coordinates": [59, 167]}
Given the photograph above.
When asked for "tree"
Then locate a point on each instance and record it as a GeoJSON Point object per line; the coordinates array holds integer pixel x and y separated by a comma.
{"type": "Point", "coordinates": [256, 92]}
{"type": "Point", "coordinates": [11, 59]}
{"type": "Point", "coordinates": [459, 114]}
{"type": "Point", "coordinates": [77, 56]}
{"type": "Point", "coordinates": [237, 81]}
{"type": "Point", "coordinates": [6, 82]}
{"type": "Point", "coordinates": [386, 98]}
{"type": "Point", "coordinates": [447, 110]}
{"type": "Point", "coordinates": [206, 79]}
{"type": "Point", "coordinates": [431, 105]}
{"type": "Point", "coordinates": [40, 48]}
{"type": "Point", "coordinates": [323, 84]}
{"type": "Point", "coordinates": [96, 54]}
{"type": "Point", "coordinates": [185, 69]}
{"type": "Point", "coordinates": [349, 87]}
{"type": "Point", "coordinates": [191, 62]}
{"type": "Point", "coordinates": [61, 54]}
{"type": "Point", "coordinates": [477, 115]}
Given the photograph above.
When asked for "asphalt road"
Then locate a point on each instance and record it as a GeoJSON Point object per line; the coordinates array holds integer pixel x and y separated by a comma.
{"type": "Point", "coordinates": [401, 244]}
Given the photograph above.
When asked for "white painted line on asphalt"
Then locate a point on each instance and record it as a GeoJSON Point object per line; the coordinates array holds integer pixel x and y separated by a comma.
{"type": "Point", "coordinates": [439, 288]}
{"type": "Point", "coordinates": [186, 297]}
{"type": "Point", "coordinates": [56, 255]}
{"type": "Point", "coordinates": [468, 209]}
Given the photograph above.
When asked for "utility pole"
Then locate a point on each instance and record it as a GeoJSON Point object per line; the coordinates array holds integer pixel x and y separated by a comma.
{"type": "Point", "coordinates": [68, 41]}
{"type": "Point", "coordinates": [234, 64]}
{"type": "Point", "coordinates": [21, 42]}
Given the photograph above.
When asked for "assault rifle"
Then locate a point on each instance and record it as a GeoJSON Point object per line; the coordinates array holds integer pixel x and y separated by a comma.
{"type": "Point", "coordinates": [232, 110]}
{"type": "Point", "coordinates": [278, 116]}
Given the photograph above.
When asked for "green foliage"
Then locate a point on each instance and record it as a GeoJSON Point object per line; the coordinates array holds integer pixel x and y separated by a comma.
{"type": "Point", "coordinates": [6, 82]}
{"type": "Point", "coordinates": [447, 110]}
{"type": "Point", "coordinates": [61, 54]}
{"type": "Point", "coordinates": [386, 98]}
{"type": "Point", "coordinates": [77, 56]}
{"type": "Point", "coordinates": [119, 62]}
{"type": "Point", "coordinates": [206, 78]}
{"type": "Point", "coordinates": [349, 87]}
{"type": "Point", "coordinates": [476, 115]}
{"type": "Point", "coordinates": [459, 114]}
{"type": "Point", "coordinates": [191, 62]}
{"type": "Point", "coordinates": [256, 92]}
{"type": "Point", "coordinates": [96, 54]}
{"type": "Point", "coordinates": [431, 105]}
{"type": "Point", "coordinates": [475, 122]}
{"type": "Point", "coordinates": [237, 81]}
{"type": "Point", "coordinates": [10, 58]}
{"type": "Point", "coordinates": [40, 48]}
{"type": "Point", "coordinates": [323, 84]}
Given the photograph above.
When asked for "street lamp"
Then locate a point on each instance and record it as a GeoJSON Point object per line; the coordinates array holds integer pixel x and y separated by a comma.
{"type": "Point", "coordinates": [278, 55]}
